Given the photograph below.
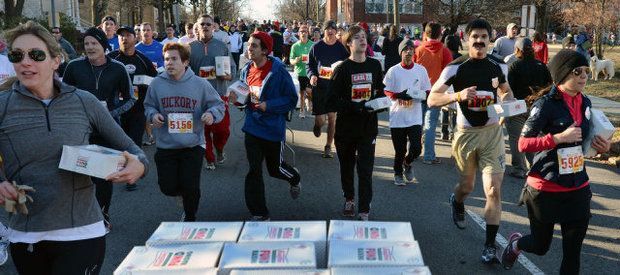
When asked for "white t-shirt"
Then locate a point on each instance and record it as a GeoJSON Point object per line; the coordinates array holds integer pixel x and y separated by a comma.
{"type": "Point", "coordinates": [186, 39]}
{"type": "Point", "coordinates": [406, 113]}
{"type": "Point", "coordinates": [6, 68]}
{"type": "Point", "coordinates": [169, 40]}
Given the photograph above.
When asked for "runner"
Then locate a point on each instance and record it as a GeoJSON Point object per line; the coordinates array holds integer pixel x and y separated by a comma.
{"type": "Point", "coordinates": [320, 59]}
{"type": "Point", "coordinates": [149, 47]}
{"type": "Point", "coordinates": [354, 82]}
{"type": "Point", "coordinates": [478, 143]}
{"type": "Point", "coordinates": [136, 63]}
{"type": "Point", "coordinates": [181, 102]}
{"type": "Point", "coordinates": [557, 188]}
{"type": "Point", "coordinates": [272, 96]}
{"type": "Point", "coordinates": [299, 58]}
{"type": "Point", "coordinates": [406, 113]}
{"type": "Point", "coordinates": [108, 25]}
{"type": "Point", "coordinates": [6, 71]}
{"type": "Point", "coordinates": [203, 55]}
{"type": "Point", "coordinates": [106, 79]}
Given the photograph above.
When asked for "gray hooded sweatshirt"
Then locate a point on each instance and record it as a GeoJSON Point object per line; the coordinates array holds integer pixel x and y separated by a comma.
{"type": "Point", "coordinates": [31, 138]}
{"type": "Point", "coordinates": [191, 94]}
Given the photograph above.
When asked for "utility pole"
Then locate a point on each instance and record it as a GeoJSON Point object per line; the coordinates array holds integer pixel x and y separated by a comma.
{"type": "Point", "coordinates": [307, 9]}
{"type": "Point", "coordinates": [387, 12]}
{"type": "Point", "coordinates": [396, 15]}
{"type": "Point", "coordinates": [53, 11]}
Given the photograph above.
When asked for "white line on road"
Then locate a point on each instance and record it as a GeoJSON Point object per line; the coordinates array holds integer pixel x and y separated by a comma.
{"type": "Point", "coordinates": [524, 261]}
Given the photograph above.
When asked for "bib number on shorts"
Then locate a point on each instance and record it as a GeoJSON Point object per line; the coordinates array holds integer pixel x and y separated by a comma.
{"type": "Point", "coordinates": [570, 160]}
{"type": "Point", "coordinates": [180, 123]}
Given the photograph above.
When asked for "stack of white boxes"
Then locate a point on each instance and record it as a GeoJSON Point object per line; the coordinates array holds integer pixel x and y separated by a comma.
{"type": "Point", "coordinates": [363, 247]}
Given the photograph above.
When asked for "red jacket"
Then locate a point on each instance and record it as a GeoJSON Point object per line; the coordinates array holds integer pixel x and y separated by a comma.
{"type": "Point", "coordinates": [541, 52]}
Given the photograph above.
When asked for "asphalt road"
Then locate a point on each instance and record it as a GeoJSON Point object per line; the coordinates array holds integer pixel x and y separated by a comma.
{"type": "Point", "coordinates": [446, 249]}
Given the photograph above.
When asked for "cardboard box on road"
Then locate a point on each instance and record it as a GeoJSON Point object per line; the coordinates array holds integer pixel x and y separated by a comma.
{"type": "Point", "coordinates": [181, 233]}
{"type": "Point", "coordinates": [282, 272]}
{"type": "Point", "coordinates": [370, 231]}
{"type": "Point", "coordinates": [171, 260]}
{"type": "Point", "coordinates": [374, 254]}
{"type": "Point", "coordinates": [267, 255]}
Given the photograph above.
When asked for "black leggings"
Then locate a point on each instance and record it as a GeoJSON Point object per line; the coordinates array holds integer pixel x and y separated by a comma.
{"type": "Point", "coordinates": [59, 257]}
{"type": "Point", "coordinates": [358, 152]}
{"type": "Point", "coordinates": [401, 153]}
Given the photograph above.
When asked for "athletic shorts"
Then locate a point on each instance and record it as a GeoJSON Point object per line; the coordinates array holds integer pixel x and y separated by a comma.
{"type": "Point", "coordinates": [304, 83]}
{"type": "Point", "coordinates": [320, 97]}
{"type": "Point", "coordinates": [479, 148]}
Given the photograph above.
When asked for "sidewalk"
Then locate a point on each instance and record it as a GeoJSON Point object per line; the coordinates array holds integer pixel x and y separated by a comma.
{"type": "Point", "coordinates": [609, 107]}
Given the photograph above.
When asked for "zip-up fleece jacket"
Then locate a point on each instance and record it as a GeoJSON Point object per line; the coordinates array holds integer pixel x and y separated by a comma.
{"type": "Point", "coordinates": [278, 92]}
{"type": "Point", "coordinates": [190, 94]}
{"type": "Point", "coordinates": [31, 138]}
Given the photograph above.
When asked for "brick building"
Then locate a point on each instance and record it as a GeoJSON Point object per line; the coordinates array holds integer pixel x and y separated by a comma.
{"type": "Point", "coordinates": [374, 11]}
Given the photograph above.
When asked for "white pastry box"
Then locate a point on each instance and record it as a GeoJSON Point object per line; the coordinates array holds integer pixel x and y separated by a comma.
{"type": "Point", "coordinates": [417, 95]}
{"type": "Point", "coordinates": [507, 109]}
{"type": "Point", "coordinates": [222, 65]}
{"type": "Point", "coordinates": [241, 90]}
{"type": "Point", "coordinates": [267, 255]}
{"type": "Point", "coordinates": [374, 254]}
{"type": "Point", "coordinates": [409, 270]}
{"type": "Point", "coordinates": [282, 272]}
{"type": "Point", "coordinates": [379, 103]}
{"type": "Point", "coordinates": [370, 231]}
{"type": "Point", "coordinates": [92, 160]}
{"type": "Point", "coordinates": [142, 80]}
{"type": "Point", "coordinates": [179, 233]}
{"type": "Point", "coordinates": [599, 125]}
{"type": "Point", "coordinates": [171, 260]}
{"type": "Point", "coordinates": [297, 231]}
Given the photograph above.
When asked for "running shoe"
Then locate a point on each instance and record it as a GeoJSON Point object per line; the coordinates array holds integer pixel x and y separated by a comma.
{"type": "Point", "coordinates": [316, 130]}
{"type": "Point", "coordinates": [509, 256]}
{"type": "Point", "coordinates": [399, 180]}
{"type": "Point", "coordinates": [458, 212]}
{"type": "Point", "coordinates": [209, 166]}
{"type": "Point", "coordinates": [220, 156]}
{"type": "Point", "coordinates": [349, 209]}
{"type": "Point", "coordinates": [431, 162]}
{"type": "Point", "coordinates": [260, 219]}
{"type": "Point", "coordinates": [489, 254]}
{"type": "Point", "coordinates": [4, 249]}
{"type": "Point", "coordinates": [327, 152]}
{"type": "Point", "coordinates": [408, 173]}
{"type": "Point", "coordinates": [363, 216]}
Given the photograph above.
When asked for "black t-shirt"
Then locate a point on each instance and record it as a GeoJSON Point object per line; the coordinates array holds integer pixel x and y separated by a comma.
{"type": "Point", "coordinates": [486, 74]}
{"type": "Point", "coordinates": [137, 64]}
{"type": "Point", "coordinates": [352, 85]}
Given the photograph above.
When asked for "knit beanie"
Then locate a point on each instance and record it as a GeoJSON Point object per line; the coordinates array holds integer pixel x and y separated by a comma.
{"type": "Point", "coordinates": [563, 63]}
{"type": "Point", "coordinates": [266, 39]}
{"type": "Point", "coordinates": [99, 35]}
{"type": "Point", "coordinates": [404, 44]}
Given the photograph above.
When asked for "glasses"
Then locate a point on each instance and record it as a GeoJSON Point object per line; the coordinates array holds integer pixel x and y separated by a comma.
{"type": "Point", "coordinates": [16, 56]}
{"type": "Point", "coordinates": [579, 71]}
{"type": "Point", "coordinates": [55, 32]}
{"type": "Point", "coordinates": [136, 30]}
{"type": "Point", "coordinates": [205, 24]}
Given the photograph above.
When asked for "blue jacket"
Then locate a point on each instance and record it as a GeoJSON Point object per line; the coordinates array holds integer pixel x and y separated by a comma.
{"type": "Point", "coordinates": [550, 115]}
{"type": "Point", "coordinates": [279, 93]}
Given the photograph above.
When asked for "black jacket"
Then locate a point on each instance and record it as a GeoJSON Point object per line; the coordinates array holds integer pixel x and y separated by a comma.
{"type": "Point", "coordinates": [527, 73]}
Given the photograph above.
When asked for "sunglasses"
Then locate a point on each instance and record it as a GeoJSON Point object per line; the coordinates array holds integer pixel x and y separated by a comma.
{"type": "Point", "coordinates": [579, 71]}
{"type": "Point", "coordinates": [16, 56]}
{"type": "Point", "coordinates": [205, 24]}
{"type": "Point", "coordinates": [55, 32]}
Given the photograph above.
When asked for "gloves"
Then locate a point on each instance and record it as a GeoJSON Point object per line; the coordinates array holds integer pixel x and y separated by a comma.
{"type": "Point", "coordinates": [403, 95]}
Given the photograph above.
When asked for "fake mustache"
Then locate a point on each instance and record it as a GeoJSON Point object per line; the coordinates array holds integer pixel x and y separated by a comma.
{"type": "Point", "coordinates": [479, 44]}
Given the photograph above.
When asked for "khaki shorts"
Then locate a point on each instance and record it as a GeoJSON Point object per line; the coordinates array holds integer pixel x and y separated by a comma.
{"type": "Point", "coordinates": [479, 147]}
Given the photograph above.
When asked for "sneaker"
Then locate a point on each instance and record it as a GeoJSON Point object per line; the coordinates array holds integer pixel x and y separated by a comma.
{"type": "Point", "coordinates": [295, 190]}
{"type": "Point", "coordinates": [458, 212]}
{"type": "Point", "coordinates": [260, 219]}
{"type": "Point", "coordinates": [509, 256]}
{"type": "Point", "coordinates": [131, 187]}
{"type": "Point", "coordinates": [408, 173]}
{"type": "Point", "coordinates": [209, 166]}
{"type": "Point", "coordinates": [316, 130]}
{"type": "Point", "coordinates": [150, 142]}
{"type": "Point", "coordinates": [220, 157]}
{"type": "Point", "coordinates": [363, 216]}
{"type": "Point", "coordinates": [431, 162]}
{"type": "Point", "coordinates": [4, 252]}
{"type": "Point", "coordinates": [399, 180]}
{"type": "Point", "coordinates": [349, 209]}
{"type": "Point", "coordinates": [327, 152]}
{"type": "Point", "coordinates": [302, 114]}
{"type": "Point", "coordinates": [489, 254]}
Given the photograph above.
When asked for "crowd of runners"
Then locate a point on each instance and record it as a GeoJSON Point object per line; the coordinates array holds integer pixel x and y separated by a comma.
{"type": "Point", "coordinates": [52, 97]}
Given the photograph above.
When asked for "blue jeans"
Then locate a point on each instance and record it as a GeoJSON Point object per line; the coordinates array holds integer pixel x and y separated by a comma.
{"type": "Point", "coordinates": [430, 125]}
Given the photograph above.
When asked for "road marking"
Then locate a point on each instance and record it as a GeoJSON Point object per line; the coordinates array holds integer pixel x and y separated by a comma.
{"type": "Point", "coordinates": [524, 261]}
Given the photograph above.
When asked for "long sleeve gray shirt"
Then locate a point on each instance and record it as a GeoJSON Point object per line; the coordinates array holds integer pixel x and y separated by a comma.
{"type": "Point", "coordinates": [204, 55]}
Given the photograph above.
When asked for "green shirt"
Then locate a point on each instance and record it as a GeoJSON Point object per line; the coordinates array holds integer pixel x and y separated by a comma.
{"type": "Point", "coordinates": [300, 49]}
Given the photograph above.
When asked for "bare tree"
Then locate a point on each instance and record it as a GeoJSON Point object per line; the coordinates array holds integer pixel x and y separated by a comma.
{"type": "Point", "coordinates": [226, 9]}
{"type": "Point", "coordinates": [456, 12]}
{"type": "Point", "coordinates": [299, 9]}
{"type": "Point", "coordinates": [600, 16]}
{"type": "Point", "coordinates": [98, 9]}
{"type": "Point", "coordinates": [12, 11]}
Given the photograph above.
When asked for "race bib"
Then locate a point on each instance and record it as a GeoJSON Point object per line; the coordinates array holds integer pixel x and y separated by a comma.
{"type": "Point", "coordinates": [570, 160]}
{"type": "Point", "coordinates": [255, 92]}
{"type": "Point", "coordinates": [180, 123]}
{"type": "Point", "coordinates": [304, 58]}
{"type": "Point", "coordinates": [360, 92]}
{"type": "Point", "coordinates": [481, 101]}
{"type": "Point", "coordinates": [325, 72]}
{"type": "Point", "coordinates": [407, 104]}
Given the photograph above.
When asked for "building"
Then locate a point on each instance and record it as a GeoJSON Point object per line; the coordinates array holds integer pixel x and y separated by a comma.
{"type": "Point", "coordinates": [411, 12]}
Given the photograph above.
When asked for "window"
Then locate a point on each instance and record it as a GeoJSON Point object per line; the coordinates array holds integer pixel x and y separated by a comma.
{"type": "Point", "coordinates": [404, 6]}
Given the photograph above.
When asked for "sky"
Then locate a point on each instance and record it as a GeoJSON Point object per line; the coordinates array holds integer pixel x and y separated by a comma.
{"type": "Point", "coordinates": [260, 9]}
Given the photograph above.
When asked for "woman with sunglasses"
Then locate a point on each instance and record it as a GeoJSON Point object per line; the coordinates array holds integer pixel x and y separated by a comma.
{"type": "Point", "coordinates": [557, 189]}
{"type": "Point", "coordinates": [63, 232]}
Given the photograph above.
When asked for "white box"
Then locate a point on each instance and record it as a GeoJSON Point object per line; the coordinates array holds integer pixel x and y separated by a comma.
{"type": "Point", "coordinates": [417, 95]}
{"type": "Point", "coordinates": [507, 109]}
{"type": "Point", "coordinates": [372, 253]}
{"type": "Point", "coordinates": [171, 260]}
{"type": "Point", "coordinates": [222, 65]}
{"type": "Point", "coordinates": [281, 272]}
{"type": "Point", "coordinates": [267, 255]}
{"type": "Point", "coordinates": [408, 270]}
{"type": "Point", "coordinates": [241, 90]}
{"type": "Point", "coordinates": [180, 233]}
{"type": "Point", "coordinates": [92, 160]}
{"type": "Point", "coordinates": [379, 103]}
{"type": "Point", "coordinates": [142, 80]}
{"type": "Point", "coordinates": [380, 40]}
{"type": "Point", "coordinates": [599, 125]}
{"type": "Point", "coordinates": [370, 231]}
{"type": "Point", "coordinates": [297, 231]}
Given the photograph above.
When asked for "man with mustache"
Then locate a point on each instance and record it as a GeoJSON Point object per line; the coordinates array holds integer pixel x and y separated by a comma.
{"type": "Point", "coordinates": [479, 81]}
